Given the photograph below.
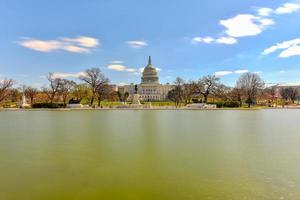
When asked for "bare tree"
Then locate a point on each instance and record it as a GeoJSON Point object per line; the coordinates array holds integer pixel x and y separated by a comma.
{"type": "Point", "coordinates": [5, 86]}
{"type": "Point", "coordinates": [81, 91]}
{"type": "Point", "coordinates": [271, 94]}
{"type": "Point", "coordinates": [55, 84]}
{"type": "Point", "coordinates": [15, 95]}
{"type": "Point", "coordinates": [236, 94]}
{"type": "Point", "coordinates": [250, 84]}
{"type": "Point", "coordinates": [96, 79]}
{"type": "Point", "coordinates": [293, 92]}
{"type": "Point", "coordinates": [208, 85]}
{"type": "Point", "coordinates": [289, 93]}
{"type": "Point", "coordinates": [284, 93]}
{"type": "Point", "coordinates": [30, 93]}
{"type": "Point", "coordinates": [125, 97]}
{"type": "Point", "coordinates": [221, 91]}
{"type": "Point", "coordinates": [189, 89]}
{"type": "Point", "coordinates": [103, 93]}
{"type": "Point", "coordinates": [176, 94]}
{"type": "Point", "coordinates": [65, 89]}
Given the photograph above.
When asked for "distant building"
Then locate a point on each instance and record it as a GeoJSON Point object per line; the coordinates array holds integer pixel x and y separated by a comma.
{"type": "Point", "coordinates": [149, 89]}
{"type": "Point", "coordinates": [113, 88]}
{"type": "Point", "coordinates": [279, 87]}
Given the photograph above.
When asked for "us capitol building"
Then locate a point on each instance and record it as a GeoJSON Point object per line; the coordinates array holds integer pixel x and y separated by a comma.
{"type": "Point", "coordinates": [149, 89]}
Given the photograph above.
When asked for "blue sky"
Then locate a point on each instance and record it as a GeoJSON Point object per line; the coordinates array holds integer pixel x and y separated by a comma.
{"type": "Point", "coordinates": [188, 38]}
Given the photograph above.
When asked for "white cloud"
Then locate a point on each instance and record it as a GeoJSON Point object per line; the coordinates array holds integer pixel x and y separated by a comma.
{"type": "Point", "coordinates": [116, 67]}
{"type": "Point", "coordinates": [196, 40]}
{"type": "Point", "coordinates": [264, 12]}
{"type": "Point", "coordinates": [289, 84]}
{"type": "Point", "coordinates": [116, 62]}
{"type": "Point", "coordinates": [40, 45]}
{"type": "Point", "coordinates": [130, 70]}
{"type": "Point", "coordinates": [226, 40]}
{"type": "Point", "coordinates": [227, 72]}
{"type": "Point", "coordinates": [292, 51]}
{"type": "Point", "coordinates": [288, 8]}
{"type": "Point", "coordinates": [209, 40]}
{"type": "Point", "coordinates": [206, 40]}
{"type": "Point", "coordinates": [83, 41]}
{"type": "Point", "coordinates": [123, 68]}
{"type": "Point", "coordinates": [81, 44]}
{"type": "Point", "coordinates": [222, 73]}
{"type": "Point", "coordinates": [137, 43]}
{"type": "Point", "coordinates": [67, 75]}
{"type": "Point", "coordinates": [282, 45]}
{"type": "Point", "coordinates": [75, 49]}
{"type": "Point", "coordinates": [245, 25]}
{"type": "Point", "coordinates": [141, 69]}
{"type": "Point", "coordinates": [282, 71]}
{"type": "Point", "coordinates": [239, 26]}
{"type": "Point", "coordinates": [283, 9]}
{"type": "Point", "coordinates": [289, 48]}
{"type": "Point", "coordinates": [241, 71]}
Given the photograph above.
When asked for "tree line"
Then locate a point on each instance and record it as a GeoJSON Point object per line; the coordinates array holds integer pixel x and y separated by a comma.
{"type": "Point", "coordinates": [94, 87]}
{"type": "Point", "coordinates": [249, 90]}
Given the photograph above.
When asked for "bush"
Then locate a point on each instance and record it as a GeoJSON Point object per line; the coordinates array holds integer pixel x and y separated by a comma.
{"type": "Point", "coordinates": [48, 105]}
{"type": "Point", "coordinates": [74, 101]}
{"type": "Point", "coordinates": [231, 104]}
{"type": "Point", "coordinates": [227, 104]}
{"type": "Point", "coordinates": [197, 100]}
{"type": "Point", "coordinates": [220, 104]}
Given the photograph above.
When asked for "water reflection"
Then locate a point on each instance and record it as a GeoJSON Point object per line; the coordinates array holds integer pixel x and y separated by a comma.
{"type": "Point", "coordinates": [150, 155]}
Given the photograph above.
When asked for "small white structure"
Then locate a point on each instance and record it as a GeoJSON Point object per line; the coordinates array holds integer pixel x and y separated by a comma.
{"type": "Point", "coordinates": [136, 99]}
{"type": "Point", "coordinates": [201, 106]}
{"type": "Point", "coordinates": [75, 105]}
{"type": "Point", "coordinates": [24, 104]}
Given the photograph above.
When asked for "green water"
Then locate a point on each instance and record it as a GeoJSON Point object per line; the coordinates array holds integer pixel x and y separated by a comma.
{"type": "Point", "coordinates": [150, 155]}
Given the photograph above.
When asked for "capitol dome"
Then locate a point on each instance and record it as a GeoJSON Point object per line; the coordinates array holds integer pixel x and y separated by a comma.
{"type": "Point", "coordinates": [149, 74]}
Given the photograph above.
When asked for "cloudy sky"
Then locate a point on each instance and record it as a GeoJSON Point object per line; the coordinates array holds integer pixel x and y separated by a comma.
{"type": "Point", "coordinates": [189, 38]}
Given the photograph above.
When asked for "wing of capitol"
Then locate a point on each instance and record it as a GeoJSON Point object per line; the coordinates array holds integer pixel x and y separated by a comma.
{"type": "Point", "coordinates": [149, 89]}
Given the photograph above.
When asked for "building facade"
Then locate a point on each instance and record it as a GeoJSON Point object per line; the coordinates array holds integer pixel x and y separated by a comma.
{"type": "Point", "coordinates": [149, 89]}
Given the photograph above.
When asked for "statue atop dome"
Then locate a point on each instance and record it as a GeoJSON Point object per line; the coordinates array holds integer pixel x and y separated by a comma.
{"type": "Point", "coordinates": [149, 61]}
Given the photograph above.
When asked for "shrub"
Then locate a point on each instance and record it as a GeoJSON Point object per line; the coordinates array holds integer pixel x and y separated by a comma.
{"type": "Point", "coordinates": [220, 104]}
{"type": "Point", "coordinates": [231, 104]}
{"type": "Point", "coordinates": [48, 105]}
{"type": "Point", "coordinates": [74, 101]}
{"type": "Point", "coordinates": [227, 104]}
{"type": "Point", "coordinates": [197, 100]}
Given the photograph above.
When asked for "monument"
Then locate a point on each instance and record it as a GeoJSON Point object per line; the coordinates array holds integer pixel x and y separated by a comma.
{"type": "Point", "coordinates": [24, 104]}
{"type": "Point", "coordinates": [136, 96]}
